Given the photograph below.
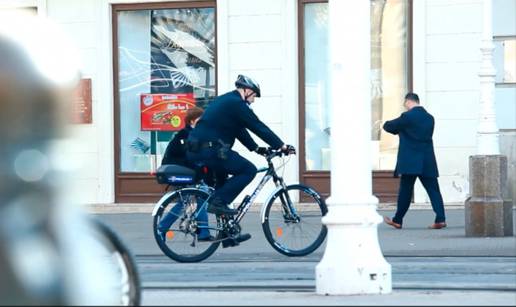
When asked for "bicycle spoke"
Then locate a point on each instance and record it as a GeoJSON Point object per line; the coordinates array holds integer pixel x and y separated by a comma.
{"type": "Point", "coordinates": [181, 240]}
{"type": "Point", "coordinates": [301, 230]}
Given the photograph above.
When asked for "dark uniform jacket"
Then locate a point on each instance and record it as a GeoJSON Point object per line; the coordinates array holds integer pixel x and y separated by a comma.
{"type": "Point", "coordinates": [176, 148]}
{"type": "Point", "coordinates": [416, 151]}
{"type": "Point", "coordinates": [227, 118]}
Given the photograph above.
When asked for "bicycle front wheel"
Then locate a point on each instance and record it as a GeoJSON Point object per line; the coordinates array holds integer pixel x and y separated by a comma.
{"type": "Point", "coordinates": [292, 220]}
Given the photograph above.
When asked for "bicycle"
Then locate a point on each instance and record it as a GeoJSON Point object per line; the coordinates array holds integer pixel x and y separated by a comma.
{"type": "Point", "coordinates": [78, 259]}
{"type": "Point", "coordinates": [125, 280]}
{"type": "Point", "coordinates": [281, 217]}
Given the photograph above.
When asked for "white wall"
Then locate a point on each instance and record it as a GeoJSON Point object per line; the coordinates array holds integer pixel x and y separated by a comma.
{"type": "Point", "coordinates": [446, 73]}
{"type": "Point", "coordinates": [81, 20]}
{"type": "Point", "coordinates": [259, 39]}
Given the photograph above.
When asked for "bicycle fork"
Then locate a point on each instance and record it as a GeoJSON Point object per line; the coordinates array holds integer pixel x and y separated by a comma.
{"type": "Point", "coordinates": [289, 211]}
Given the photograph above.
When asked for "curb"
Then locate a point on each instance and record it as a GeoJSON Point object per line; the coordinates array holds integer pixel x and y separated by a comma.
{"type": "Point", "coordinates": [119, 208]}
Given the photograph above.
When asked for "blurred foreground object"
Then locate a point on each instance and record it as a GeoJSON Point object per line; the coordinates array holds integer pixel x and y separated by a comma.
{"type": "Point", "coordinates": [48, 252]}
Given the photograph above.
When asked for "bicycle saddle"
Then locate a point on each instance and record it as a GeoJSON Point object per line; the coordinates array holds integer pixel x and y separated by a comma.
{"type": "Point", "coordinates": [174, 174]}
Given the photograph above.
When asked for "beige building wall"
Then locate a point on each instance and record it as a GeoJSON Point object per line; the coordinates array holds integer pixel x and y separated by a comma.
{"type": "Point", "coordinates": [259, 38]}
{"type": "Point", "coordinates": [446, 63]}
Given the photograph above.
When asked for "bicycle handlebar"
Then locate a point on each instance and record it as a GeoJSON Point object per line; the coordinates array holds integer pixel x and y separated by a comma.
{"type": "Point", "coordinates": [272, 153]}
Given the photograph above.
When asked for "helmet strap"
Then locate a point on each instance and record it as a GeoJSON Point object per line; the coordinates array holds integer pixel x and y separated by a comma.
{"type": "Point", "coordinates": [247, 96]}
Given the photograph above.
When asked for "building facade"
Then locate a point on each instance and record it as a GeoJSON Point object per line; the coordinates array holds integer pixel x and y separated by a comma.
{"type": "Point", "coordinates": [138, 54]}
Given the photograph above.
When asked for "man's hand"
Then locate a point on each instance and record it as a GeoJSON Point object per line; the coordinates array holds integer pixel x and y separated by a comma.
{"type": "Point", "coordinates": [288, 150]}
{"type": "Point", "coordinates": [262, 151]}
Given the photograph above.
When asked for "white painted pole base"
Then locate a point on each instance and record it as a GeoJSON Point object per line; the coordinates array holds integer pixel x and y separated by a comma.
{"type": "Point", "coordinates": [353, 262]}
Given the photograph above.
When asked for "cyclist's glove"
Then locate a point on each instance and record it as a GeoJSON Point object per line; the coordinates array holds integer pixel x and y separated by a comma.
{"type": "Point", "coordinates": [289, 150]}
{"type": "Point", "coordinates": [262, 151]}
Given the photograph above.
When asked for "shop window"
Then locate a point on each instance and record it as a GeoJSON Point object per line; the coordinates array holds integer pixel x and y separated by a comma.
{"type": "Point", "coordinates": [166, 65]}
{"type": "Point", "coordinates": [505, 60]}
{"type": "Point", "coordinates": [316, 87]}
{"type": "Point", "coordinates": [389, 80]}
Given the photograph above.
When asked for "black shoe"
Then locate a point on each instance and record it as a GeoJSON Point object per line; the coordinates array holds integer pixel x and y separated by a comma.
{"type": "Point", "coordinates": [242, 237]}
{"type": "Point", "coordinates": [229, 243]}
{"type": "Point", "coordinates": [226, 241]}
{"type": "Point", "coordinates": [217, 206]}
{"type": "Point", "coordinates": [234, 241]}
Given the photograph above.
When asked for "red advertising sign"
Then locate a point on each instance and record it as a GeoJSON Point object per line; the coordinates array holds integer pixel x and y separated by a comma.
{"type": "Point", "coordinates": [164, 112]}
{"type": "Point", "coordinates": [82, 103]}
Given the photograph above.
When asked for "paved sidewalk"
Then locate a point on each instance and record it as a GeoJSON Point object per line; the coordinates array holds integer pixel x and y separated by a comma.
{"type": "Point", "coordinates": [147, 207]}
{"type": "Point", "coordinates": [270, 298]}
{"type": "Point", "coordinates": [429, 267]}
{"type": "Point", "coordinates": [413, 240]}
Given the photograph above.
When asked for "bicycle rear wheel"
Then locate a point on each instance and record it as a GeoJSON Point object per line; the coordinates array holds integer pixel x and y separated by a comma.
{"type": "Point", "coordinates": [181, 241]}
{"type": "Point", "coordinates": [296, 232]}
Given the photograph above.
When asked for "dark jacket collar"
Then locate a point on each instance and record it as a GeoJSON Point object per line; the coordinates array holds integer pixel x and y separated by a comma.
{"type": "Point", "coordinates": [418, 108]}
{"type": "Point", "coordinates": [235, 92]}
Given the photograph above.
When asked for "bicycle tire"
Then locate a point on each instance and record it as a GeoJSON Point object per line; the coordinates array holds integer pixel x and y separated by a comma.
{"type": "Point", "coordinates": [282, 247]}
{"type": "Point", "coordinates": [166, 248]}
{"type": "Point", "coordinates": [116, 245]}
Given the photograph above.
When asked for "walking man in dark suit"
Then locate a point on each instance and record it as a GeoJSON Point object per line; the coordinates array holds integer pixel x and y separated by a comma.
{"type": "Point", "coordinates": [416, 159]}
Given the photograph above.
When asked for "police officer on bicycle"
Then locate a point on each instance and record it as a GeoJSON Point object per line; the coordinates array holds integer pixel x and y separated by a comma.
{"type": "Point", "coordinates": [229, 117]}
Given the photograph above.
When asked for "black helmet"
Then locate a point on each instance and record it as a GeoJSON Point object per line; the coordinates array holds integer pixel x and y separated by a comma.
{"type": "Point", "coordinates": [246, 82]}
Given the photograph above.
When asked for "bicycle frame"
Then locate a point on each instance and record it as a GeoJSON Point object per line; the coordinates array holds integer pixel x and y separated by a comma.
{"type": "Point", "coordinates": [248, 199]}
{"type": "Point", "coordinates": [270, 173]}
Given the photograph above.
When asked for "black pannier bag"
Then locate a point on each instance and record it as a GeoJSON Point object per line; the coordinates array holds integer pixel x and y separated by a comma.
{"type": "Point", "coordinates": [174, 174]}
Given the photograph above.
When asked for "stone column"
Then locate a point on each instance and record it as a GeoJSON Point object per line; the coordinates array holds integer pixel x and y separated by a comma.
{"type": "Point", "coordinates": [487, 131]}
{"type": "Point", "coordinates": [488, 211]}
{"type": "Point", "coordinates": [353, 262]}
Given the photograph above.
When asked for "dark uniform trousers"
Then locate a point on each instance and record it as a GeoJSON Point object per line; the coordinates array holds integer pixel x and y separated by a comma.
{"type": "Point", "coordinates": [242, 171]}
{"type": "Point", "coordinates": [431, 186]}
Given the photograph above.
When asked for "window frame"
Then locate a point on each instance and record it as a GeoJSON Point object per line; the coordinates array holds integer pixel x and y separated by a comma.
{"type": "Point", "coordinates": [138, 186]}
{"type": "Point", "coordinates": [501, 38]}
{"type": "Point", "coordinates": [384, 185]}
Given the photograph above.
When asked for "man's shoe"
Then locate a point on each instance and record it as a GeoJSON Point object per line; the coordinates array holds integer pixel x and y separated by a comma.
{"type": "Point", "coordinates": [242, 237]}
{"type": "Point", "coordinates": [221, 210]}
{"type": "Point", "coordinates": [437, 225]}
{"type": "Point", "coordinates": [217, 206]}
{"type": "Point", "coordinates": [233, 241]}
{"type": "Point", "coordinates": [388, 221]}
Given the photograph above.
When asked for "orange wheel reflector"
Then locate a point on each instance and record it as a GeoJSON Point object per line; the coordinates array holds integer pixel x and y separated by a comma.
{"type": "Point", "coordinates": [279, 231]}
{"type": "Point", "coordinates": [170, 234]}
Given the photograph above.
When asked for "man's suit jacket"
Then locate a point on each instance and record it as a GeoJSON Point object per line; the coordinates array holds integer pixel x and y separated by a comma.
{"type": "Point", "coordinates": [227, 118]}
{"type": "Point", "coordinates": [416, 150]}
